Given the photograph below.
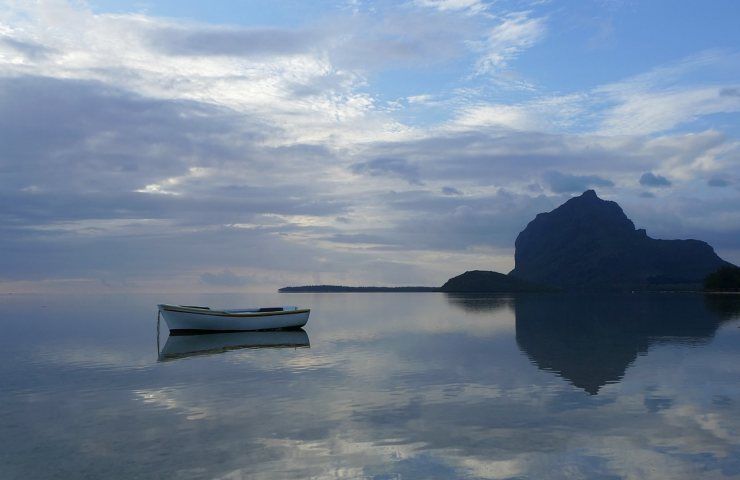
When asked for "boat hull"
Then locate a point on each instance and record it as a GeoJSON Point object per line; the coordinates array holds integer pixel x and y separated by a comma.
{"type": "Point", "coordinates": [188, 322]}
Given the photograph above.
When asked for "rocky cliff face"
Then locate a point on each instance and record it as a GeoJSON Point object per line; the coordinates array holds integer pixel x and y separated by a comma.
{"type": "Point", "coordinates": [589, 243]}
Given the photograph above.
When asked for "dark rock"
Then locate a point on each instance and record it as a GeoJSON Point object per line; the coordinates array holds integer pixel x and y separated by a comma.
{"type": "Point", "coordinates": [589, 244]}
{"type": "Point", "coordinates": [480, 281]}
{"type": "Point", "coordinates": [726, 279]}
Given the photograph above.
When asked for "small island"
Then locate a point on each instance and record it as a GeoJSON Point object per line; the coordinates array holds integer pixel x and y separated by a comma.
{"type": "Point", "coordinates": [481, 281]}
{"type": "Point", "coordinates": [587, 244]}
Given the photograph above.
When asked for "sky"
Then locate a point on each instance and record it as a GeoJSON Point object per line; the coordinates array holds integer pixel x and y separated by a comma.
{"type": "Point", "coordinates": [242, 146]}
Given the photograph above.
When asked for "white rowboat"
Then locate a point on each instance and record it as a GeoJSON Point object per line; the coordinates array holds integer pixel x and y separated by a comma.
{"type": "Point", "coordinates": [185, 319]}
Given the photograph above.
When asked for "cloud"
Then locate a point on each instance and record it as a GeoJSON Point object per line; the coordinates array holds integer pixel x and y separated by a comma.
{"type": "Point", "coordinates": [30, 50]}
{"type": "Point", "coordinates": [649, 179]}
{"type": "Point", "coordinates": [517, 32]}
{"type": "Point", "coordinates": [76, 193]}
{"type": "Point", "coordinates": [400, 38]}
{"type": "Point", "coordinates": [458, 223]}
{"type": "Point", "coordinates": [420, 99]}
{"type": "Point", "coordinates": [652, 111]}
{"type": "Point", "coordinates": [359, 238]}
{"type": "Point", "coordinates": [560, 113]}
{"type": "Point", "coordinates": [662, 98]}
{"type": "Point", "coordinates": [718, 182]}
{"type": "Point", "coordinates": [391, 167]}
{"type": "Point", "coordinates": [469, 6]}
{"type": "Point", "coordinates": [225, 278]}
{"type": "Point", "coordinates": [450, 191]}
{"type": "Point", "coordinates": [567, 183]}
{"type": "Point", "coordinates": [517, 117]}
{"type": "Point", "coordinates": [197, 63]}
{"type": "Point", "coordinates": [239, 42]}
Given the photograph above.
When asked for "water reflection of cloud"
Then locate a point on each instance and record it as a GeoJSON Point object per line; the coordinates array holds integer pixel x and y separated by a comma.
{"type": "Point", "coordinates": [336, 457]}
{"type": "Point", "coordinates": [166, 399]}
{"type": "Point", "coordinates": [91, 356]}
{"type": "Point", "coordinates": [415, 313]}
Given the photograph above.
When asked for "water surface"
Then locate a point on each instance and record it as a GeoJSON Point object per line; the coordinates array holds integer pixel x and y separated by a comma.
{"type": "Point", "coordinates": [384, 386]}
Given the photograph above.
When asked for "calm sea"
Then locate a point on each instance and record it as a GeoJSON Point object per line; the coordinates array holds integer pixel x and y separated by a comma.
{"type": "Point", "coordinates": [382, 386]}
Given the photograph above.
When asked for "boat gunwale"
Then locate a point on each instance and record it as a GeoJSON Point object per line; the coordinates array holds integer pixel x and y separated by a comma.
{"type": "Point", "coordinates": [222, 313]}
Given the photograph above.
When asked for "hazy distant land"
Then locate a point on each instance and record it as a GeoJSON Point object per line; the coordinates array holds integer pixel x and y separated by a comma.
{"type": "Point", "coordinates": [474, 281]}
{"type": "Point", "coordinates": [346, 289]}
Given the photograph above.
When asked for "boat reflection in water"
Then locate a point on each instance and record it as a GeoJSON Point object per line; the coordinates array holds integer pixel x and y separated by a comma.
{"type": "Point", "coordinates": [592, 340]}
{"type": "Point", "coordinates": [183, 346]}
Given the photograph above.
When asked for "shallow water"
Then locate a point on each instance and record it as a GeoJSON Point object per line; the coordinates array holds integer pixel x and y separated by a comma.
{"type": "Point", "coordinates": [386, 386]}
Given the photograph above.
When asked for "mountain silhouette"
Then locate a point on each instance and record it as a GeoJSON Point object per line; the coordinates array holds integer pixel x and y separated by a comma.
{"type": "Point", "coordinates": [589, 244]}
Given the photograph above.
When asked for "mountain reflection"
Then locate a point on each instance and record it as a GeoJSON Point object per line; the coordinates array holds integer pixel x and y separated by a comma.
{"type": "Point", "coordinates": [183, 346]}
{"type": "Point", "coordinates": [479, 302]}
{"type": "Point", "coordinates": [590, 341]}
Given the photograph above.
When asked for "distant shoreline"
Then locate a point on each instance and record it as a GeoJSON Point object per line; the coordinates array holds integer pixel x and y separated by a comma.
{"type": "Point", "coordinates": [417, 289]}
{"type": "Point", "coordinates": [345, 289]}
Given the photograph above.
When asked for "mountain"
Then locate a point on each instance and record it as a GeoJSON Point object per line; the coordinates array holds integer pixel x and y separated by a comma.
{"type": "Point", "coordinates": [589, 244]}
{"type": "Point", "coordinates": [478, 281]}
